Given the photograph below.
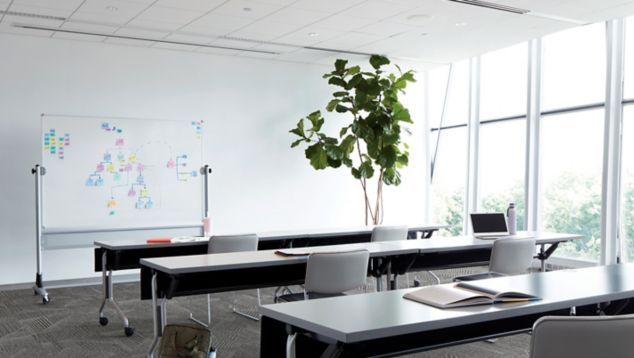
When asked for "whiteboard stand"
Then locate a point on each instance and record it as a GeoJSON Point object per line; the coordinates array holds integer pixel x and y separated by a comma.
{"type": "Point", "coordinates": [205, 171]}
{"type": "Point", "coordinates": [39, 288]}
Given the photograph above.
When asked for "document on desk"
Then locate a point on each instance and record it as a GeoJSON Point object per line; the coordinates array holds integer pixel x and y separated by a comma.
{"type": "Point", "coordinates": [305, 251]}
{"type": "Point", "coordinates": [464, 294]}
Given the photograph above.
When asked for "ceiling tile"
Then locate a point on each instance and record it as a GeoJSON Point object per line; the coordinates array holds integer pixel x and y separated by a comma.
{"type": "Point", "coordinates": [349, 41]}
{"type": "Point", "coordinates": [195, 5]}
{"type": "Point", "coordinates": [330, 6]}
{"type": "Point", "coordinates": [376, 10]}
{"type": "Point", "coordinates": [123, 8]}
{"type": "Point", "coordinates": [265, 30]}
{"type": "Point", "coordinates": [247, 8]}
{"type": "Point", "coordinates": [309, 36]}
{"type": "Point", "coordinates": [387, 29]}
{"type": "Point", "coordinates": [217, 23]}
{"type": "Point", "coordinates": [168, 14]}
{"type": "Point", "coordinates": [154, 25]}
{"type": "Point", "coordinates": [297, 16]}
{"type": "Point", "coordinates": [344, 22]}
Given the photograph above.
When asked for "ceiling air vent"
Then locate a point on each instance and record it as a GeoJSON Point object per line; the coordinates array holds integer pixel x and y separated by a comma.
{"type": "Point", "coordinates": [32, 16]}
{"type": "Point", "coordinates": [494, 6]}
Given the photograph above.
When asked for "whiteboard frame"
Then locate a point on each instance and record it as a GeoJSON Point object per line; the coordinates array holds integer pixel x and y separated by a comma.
{"type": "Point", "coordinates": [97, 229]}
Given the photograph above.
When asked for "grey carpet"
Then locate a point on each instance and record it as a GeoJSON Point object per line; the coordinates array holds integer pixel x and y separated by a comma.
{"type": "Point", "coordinates": [68, 326]}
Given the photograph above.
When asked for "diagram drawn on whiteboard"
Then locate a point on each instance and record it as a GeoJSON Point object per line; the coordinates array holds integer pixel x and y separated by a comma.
{"type": "Point", "coordinates": [122, 169]}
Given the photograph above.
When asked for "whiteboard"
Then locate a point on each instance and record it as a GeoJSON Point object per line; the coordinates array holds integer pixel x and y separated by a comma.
{"type": "Point", "coordinates": [120, 173]}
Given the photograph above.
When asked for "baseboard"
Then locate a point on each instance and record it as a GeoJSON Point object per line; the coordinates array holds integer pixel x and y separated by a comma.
{"type": "Point", "coordinates": [89, 281]}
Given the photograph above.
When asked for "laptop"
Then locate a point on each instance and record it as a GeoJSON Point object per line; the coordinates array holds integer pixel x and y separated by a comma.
{"type": "Point", "coordinates": [489, 225]}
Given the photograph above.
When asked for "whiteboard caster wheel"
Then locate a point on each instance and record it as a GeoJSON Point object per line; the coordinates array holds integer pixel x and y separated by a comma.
{"type": "Point", "coordinates": [129, 331]}
{"type": "Point", "coordinates": [103, 321]}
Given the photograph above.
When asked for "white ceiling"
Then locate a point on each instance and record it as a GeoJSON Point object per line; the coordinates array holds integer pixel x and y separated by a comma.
{"type": "Point", "coordinates": [425, 32]}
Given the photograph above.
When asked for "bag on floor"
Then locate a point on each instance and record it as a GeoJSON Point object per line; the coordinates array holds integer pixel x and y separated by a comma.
{"type": "Point", "coordinates": [185, 341]}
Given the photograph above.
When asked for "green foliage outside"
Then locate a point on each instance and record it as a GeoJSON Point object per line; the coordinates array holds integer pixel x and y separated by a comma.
{"type": "Point", "coordinates": [370, 145]}
{"type": "Point", "coordinates": [572, 204]}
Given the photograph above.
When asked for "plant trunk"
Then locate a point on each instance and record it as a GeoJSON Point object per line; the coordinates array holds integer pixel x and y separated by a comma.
{"type": "Point", "coordinates": [373, 209]}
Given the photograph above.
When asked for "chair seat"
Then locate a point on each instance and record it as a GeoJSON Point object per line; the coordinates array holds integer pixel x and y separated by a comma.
{"type": "Point", "coordinates": [478, 276]}
{"type": "Point", "coordinates": [292, 297]}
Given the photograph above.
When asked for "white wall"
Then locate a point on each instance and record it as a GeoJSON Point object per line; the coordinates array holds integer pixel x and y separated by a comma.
{"type": "Point", "coordinates": [249, 105]}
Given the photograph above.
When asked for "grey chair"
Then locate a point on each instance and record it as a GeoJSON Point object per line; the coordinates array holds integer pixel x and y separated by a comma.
{"type": "Point", "coordinates": [225, 244]}
{"type": "Point", "coordinates": [385, 233]}
{"type": "Point", "coordinates": [332, 274]}
{"type": "Point", "coordinates": [583, 337]}
{"type": "Point", "coordinates": [327, 275]}
{"type": "Point", "coordinates": [509, 256]}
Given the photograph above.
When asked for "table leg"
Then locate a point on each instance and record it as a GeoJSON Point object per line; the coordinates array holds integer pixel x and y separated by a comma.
{"type": "Point", "coordinates": [542, 257]}
{"type": "Point", "coordinates": [159, 316]}
{"type": "Point", "coordinates": [106, 277]}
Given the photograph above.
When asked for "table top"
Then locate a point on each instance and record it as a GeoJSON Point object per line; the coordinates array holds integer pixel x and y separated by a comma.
{"type": "Point", "coordinates": [267, 236]}
{"type": "Point", "coordinates": [214, 262]}
{"type": "Point", "coordinates": [361, 317]}
{"type": "Point", "coordinates": [250, 259]}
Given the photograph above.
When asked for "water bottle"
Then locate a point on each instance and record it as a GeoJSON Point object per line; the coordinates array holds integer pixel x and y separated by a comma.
{"type": "Point", "coordinates": [510, 219]}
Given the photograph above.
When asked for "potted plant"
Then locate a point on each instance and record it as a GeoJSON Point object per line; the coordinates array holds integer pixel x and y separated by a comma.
{"type": "Point", "coordinates": [371, 143]}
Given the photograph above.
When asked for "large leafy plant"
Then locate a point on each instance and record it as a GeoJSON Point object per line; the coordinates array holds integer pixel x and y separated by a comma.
{"type": "Point", "coordinates": [370, 144]}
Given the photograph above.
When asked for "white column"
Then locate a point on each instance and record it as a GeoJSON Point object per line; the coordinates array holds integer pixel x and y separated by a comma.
{"type": "Point", "coordinates": [473, 143]}
{"type": "Point", "coordinates": [612, 142]}
{"type": "Point", "coordinates": [532, 179]}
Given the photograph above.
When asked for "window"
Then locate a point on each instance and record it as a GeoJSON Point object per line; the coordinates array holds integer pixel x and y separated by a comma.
{"type": "Point", "coordinates": [502, 153]}
{"type": "Point", "coordinates": [502, 158]}
{"type": "Point", "coordinates": [573, 67]}
{"type": "Point", "coordinates": [503, 82]}
{"type": "Point", "coordinates": [571, 170]}
{"type": "Point", "coordinates": [448, 146]}
{"type": "Point", "coordinates": [627, 185]}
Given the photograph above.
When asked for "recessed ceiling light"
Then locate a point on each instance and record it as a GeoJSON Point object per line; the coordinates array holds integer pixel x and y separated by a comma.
{"type": "Point", "coordinates": [313, 34]}
{"type": "Point", "coordinates": [112, 8]}
{"type": "Point", "coordinates": [461, 24]}
{"type": "Point", "coordinates": [247, 9]}
{"type": "Point", "coordinates": [418, 18]}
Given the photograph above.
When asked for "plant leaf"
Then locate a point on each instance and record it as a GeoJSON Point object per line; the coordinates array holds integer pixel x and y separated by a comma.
{"type": "Point", "coordinates": [366, 170]}
{"type": "Point", "coordinates": [377, 61]}
{"type": "Point", "coordinates": [340, 65]}
{"type": "Point", "coordinates": [317, 156]}
{"type": "Point", "coordinates": [332, 104]}
{"type": "Point", "coordinates": [387, 156]}
{"type": "Point", "coordinates": [337, 81]}
{"type": "Point", "coordinates": [296, 143]}
{"type": "Point", "coordinates": [391, 176]}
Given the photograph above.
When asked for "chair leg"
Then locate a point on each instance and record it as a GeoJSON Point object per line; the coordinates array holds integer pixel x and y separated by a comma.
{"type": "Point", "coordinates": [290, 345]}
{"type": "Point", "coordinates": [244, 314]}
{"type": "Point", "coordinates": [436, 278]}
{"type": "Point", "coordinates": [196, 320]}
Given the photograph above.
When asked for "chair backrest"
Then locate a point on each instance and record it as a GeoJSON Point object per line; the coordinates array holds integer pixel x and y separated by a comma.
{"type": "Point", "coordinates": [389, 233]}
{"type": "Point", "coordinates": [232, 243]}
{"type": "Point", "coordinates": [336, 272]}
{"type": "Point", "coordinates": [511, 256]}
{"type": "Point", "coordinates": [583, 337]}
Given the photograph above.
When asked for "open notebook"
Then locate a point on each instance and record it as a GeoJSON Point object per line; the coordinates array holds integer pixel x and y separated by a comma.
{"type": "Point", "coordinates": [464, 294]}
